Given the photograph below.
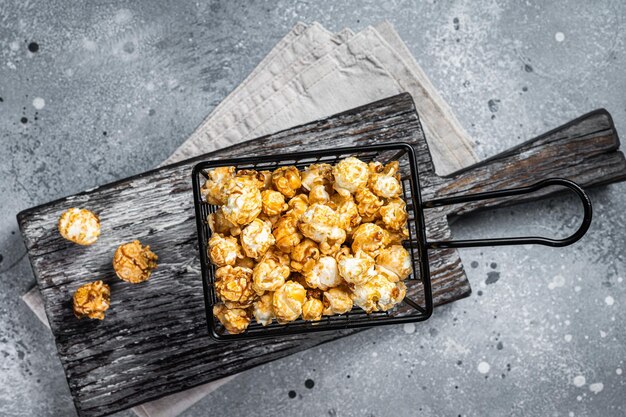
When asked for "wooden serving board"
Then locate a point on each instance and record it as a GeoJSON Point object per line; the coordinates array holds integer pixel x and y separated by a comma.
{"type": "Point", "coordinates": [154, 340]}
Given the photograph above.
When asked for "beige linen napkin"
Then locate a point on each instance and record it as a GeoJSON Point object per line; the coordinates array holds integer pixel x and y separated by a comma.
{"type": "Point", "coordinates": [312, 73]}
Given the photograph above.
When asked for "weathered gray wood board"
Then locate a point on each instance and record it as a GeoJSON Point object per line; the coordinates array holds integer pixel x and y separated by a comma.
{"type": "Point", "coordinates": [154, 340]}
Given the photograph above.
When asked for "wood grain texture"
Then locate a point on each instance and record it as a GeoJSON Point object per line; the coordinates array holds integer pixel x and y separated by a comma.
{"type": "Point", "coordinates": [154, 340]}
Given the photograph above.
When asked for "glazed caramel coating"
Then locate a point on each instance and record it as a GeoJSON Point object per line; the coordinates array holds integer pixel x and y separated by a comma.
{"type": "Point", "coordinates": [318, 194]}
{"type": "Point", "coordinates": [224, 250]}
{"type": "Point", "coordinates": [394, 214]}
{"type": "Point", "coordinates": [234, 285]}
{"type": "Point", "coordinates": [368, 204]}
{"type": "Point", "coordinates": [304, 255]}
{"type": "Point", "coordinates": [298, 205]}
{"type": "Point", "coordinates": [254, 178]}
{"type": "Point", "coordinates": [262, 309]}
{"type": "Point", "coordinates": [287, 301]}
{"type": "Point", "coordinates": [219, 224]}
{"type": "Point", "coordinates": [337, 301]}
{"type": "Point", "coordinates": [235, 320]}
{"type": "Point", "coordinates": [214, 188]}
{"type": "Point", "coordinates": [396, 259]}
{"type": "Point", "coordinates": [286, 232]}
{"type": "Point", "coordinates": [257, 238]}
{"type": "Point", "coordinates": [287, 180]}
{"type": "Point", "coordinates": [350, 174]}
{"type": "Point", "coordinates": [321, 224]}
{"type": "Point", "coordinates": [133, 262]}
{"type": "Point", "coordinates": [80, 226]}
{"type": "Point", "coordinates": [317, 174]}
{"type": "Point", "coordinates": [91, 300]}
{"type": "Point", "coordinates": [348, 212]}
{"type": "Point", "coordinates": [244, 202]}
{"type": "Point", "coordinates": [370, 239]}
{"type": "Point", "coordinates": [273, 202]}
{"type": "Point", "coordinates": [271, 271]}
{"type": "Point", "coordinates": [245, 262]}
{"type": "Point", "coordinates": [384, 181]}
{"type": "Point", "coordinates": [312, 309]}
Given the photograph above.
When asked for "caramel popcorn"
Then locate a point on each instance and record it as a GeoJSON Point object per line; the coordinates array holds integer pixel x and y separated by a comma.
{"type": "Point", "coordinates": [378, 294]}
{"type": "Point", "coordinates": [287, 302]}
{"type": "Point", "coordinates": [213, 189]}
{"type": "Point", "coordinates": [369, 238]}
{"type": "Point", "coordinates": [262, 309]}
{"type": "Point", "coordinates": [321, 224]}
{"type": "Point", "coordinates": [396, 237]}
{"type": "Point", "coordinates": [385, 181]}
{"type": "Point", "coordinates": [286, 233]}
{"type": "Point", "coordinates": [312, 309]}
{"type": "Point", "coordinates": [287, 180]}
{"type": "Point", "coordinates": [245, 262]}
{"type": "Point", "coordinates": [234, 285]}
{"type": "Point", "coordinates": [79, 226]}
{"type": "Point", "coordinates": [219, 224]}
{"type": "Point", "coordinates": [393, 214]}
{"type": "Point", "coordinates": [224, 250]}
{"type": "Point", "coordinates": [304, 255]}
{"type": "Point", "coordinates": [317, 174]}
{"type": "Point", "coordinates": [254, 178]}
{"type": "Point", "coordinates": [355, 269]}
{"type": "Point", "coordinates": [91, 300]}
{"type": "Point", "coordinates": [337, 301]}
{"type": "Point", "coordinates": [368, 204]}
{"type": "Point", "coordinates": [324, 274]}
{"type": "Point", "coordinates": [348, 212]}
{"type": "Point", "coordinates": [351, 174]}
{"type": "Point", "coordinates": [299, 204]}
{"type": "Point", "coordinates": [235, 320]}
{"type": "Point", "coordinates": [318, 194]}
{"type": "Point", "coordinates": [133, 262]}
{"type": "Point", "coordinates": [244, 202]}
{"type": "Point", "coordinates": [271, 271]}
{"type": "Point", "coordinates": [396, 259]}
{"type": "Point", "coordinates": [257, 238]}
{"type": "Point", "coordinates": [273, 202]}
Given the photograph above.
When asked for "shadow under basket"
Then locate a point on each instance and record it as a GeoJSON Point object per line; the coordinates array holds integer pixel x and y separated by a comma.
{"type": "Point", "coordinates": [418, 303]}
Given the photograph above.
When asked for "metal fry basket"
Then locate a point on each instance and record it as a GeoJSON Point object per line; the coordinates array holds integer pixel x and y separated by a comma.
{"type": "Point", "coordinates": [418, 303]}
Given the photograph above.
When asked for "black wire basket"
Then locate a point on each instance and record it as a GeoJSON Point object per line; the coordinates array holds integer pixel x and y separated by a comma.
{"type": "Point", "coordinates": [418, 303]}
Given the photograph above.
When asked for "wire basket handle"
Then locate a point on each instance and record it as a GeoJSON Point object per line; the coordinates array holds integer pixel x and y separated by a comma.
{"type": "Point", "coordinates": [446, 201]}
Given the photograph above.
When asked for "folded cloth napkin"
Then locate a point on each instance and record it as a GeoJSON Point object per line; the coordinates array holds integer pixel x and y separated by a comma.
{"type": "Point", "coordinates": [312, 73]}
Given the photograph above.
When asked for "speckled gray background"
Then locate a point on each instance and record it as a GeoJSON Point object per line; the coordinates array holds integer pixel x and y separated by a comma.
{"type": "Point", "coordinates": [545, 326]}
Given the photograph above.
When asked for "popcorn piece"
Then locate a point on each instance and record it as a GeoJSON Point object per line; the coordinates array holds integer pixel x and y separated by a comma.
{"type": "Point", "coordinates": [235, 320]}
{"type": "Point", "coordinates": [286, 232]}
{"type": "Point", "coordinates": [219, 224]}
{"type": "Point", "coordinates": [348, 212]}
{"type": "Point", "coordinates": [133, 262]}
{"type": "Point", "coordinates": [273, 202]}
{"type": "Point", "coordinates": [324, 274]}
{"type": "Point", "coordinates": [317, 174]}
{"type": "Point", "coordinates": [244, 202]}
{"type": "Point", "coordinates": [312, 309]}
{"type": "Point", "coordinates": [256, 238]}
{"type": "Point", "coordinates": [262, 309]}
{"type": "Point", "coordinates": [299, 204]}
{"type": "Point", "coordinates": [369, 238]}
{"type": "Point", "coordinates": [368, 204]}
{"type": "Point", "coordinates": [304, 255]}
{"type": "Point", "coordinates": [287, 302]}
{"type": "Point", "coordinates": [396, 259]}
{"type": "Point", "coordinates": [287, 180]}
{"type": "Point", "coordinates": [378, 294]}
{"type": "Point", "coordinates": [355, 269]}
{"type": "Point", "coordinates": [272, 220]}
{"type": "Point", "coordinates": [385, 181]}
{"type": "Point", "coordinates": [318, 194]}
{"type": "Point", "coordinates": [396, 237]}
{"type": "Point", "coordinates": [351, 174]}
{"type": "Point", "coordinates": [254, 178]}
{"type": "Point", "coordinates": [234, 285]}
{"type": "Point", "coordinates": [271, 271]}
{"type": "Point", "coordinates": [394, 214]}
{"type": "Point", "coordinates": [224, 250]}
{"type": "Point", "coordinates": [91, 300]}
{"type": "Point", "coordinates": [214, 188]}
{"type": "Point", "coordinates": [337, 301]}
{"type": "Point", "coordinates": [79, 226]}
{"type": "Point", "coordinates": [321, 224]}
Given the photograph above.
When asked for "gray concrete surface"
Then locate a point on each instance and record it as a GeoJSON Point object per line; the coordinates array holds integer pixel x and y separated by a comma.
{"type": "Point", "coordinates": [543, 333]}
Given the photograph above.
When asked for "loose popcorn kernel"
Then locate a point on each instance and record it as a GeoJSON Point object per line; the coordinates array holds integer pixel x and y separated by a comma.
{"type": "Point", "coordinates": [321, 224]}
{"type": "Point", "coordinates": [348, 212]}
{"type": "Point", "coordinates": [287, 180]}
{"type": "Point", "coordinates": [286, 232]}
{"type": "Point", "coordinates": [288, 301]}
{"type": "Point", "coordinates": [317, 174]}
{"type": "Point", "coordinates": [224, 250]}
{"type": "Point", "coordinates": [257, 238]}
{"type": "Point", "coordinates": [355, 269]}
{"type": "Point", "coordinates": [396, 259]}
{"type": "Point", "coordinates": [79, 226]}
{"type": "Point", "coordinates": [273, 202]}
{"type": "Point", "coordinates": [133, 262]}
{"type": "Point", "coordinates": [91, 300]}
{"type": "Point", "coordinates": [369, 238]}
{"type": "Point", "coordinates": [252, 178]}
{"type": "Point", "coordinates": [318, 194]}
{"type": "Point", "coordinates": [235, 320]}
{"type": "Point", "coordinates": [234, 284]}
{"type": "Point", "coordinates": [219, 224]}
{"type": "Point", "coordinates": [214, 188]}
{"type": "Point", "coordinates": [244, 202]}
{"type": "Point", "coordinates": [262, 309]}
{"type": "Point", "coordinates": [351, 174]}
{"type": "Point", "coordinates": [368, 204]}
{"type": "Point", "coordinates": [394, 214]}
{"type": "Point", "coordinates": [271, 271]}
{"type": "Point", "coordinates": [324, 274]}
{"type": "Point", "coordinates": [312, 309]}
{"type": "Point", "coordinates": [304, 255]}
{"type": "Point", "coordinates": [385, 181]}
{"type": "Point", "coordinates": [337, 301]}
